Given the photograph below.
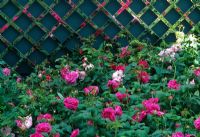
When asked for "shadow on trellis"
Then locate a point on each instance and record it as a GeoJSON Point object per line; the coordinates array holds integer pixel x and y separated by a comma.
{"type": "Point", "coordinates": [37, 30]}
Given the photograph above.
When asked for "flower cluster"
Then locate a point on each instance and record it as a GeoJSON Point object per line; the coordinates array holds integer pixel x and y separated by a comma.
{"type": "Point", "coordinates": [111, 113]}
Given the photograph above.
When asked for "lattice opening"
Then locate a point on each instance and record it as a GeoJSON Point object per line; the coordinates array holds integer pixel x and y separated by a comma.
{"type": "Point", "coordinates": [100, 19]}
{"type": "Point", "coordinates": [11, 58]}
{"type": "Point", "coordinates": [161, 5]}
{"type": "Point", "coordinates": [61, 34]}
{"type": "Point", "coordinates": [36, 9]}
{"type": "Point", "coordinates": [23, 22]}
{"type": "Point", "coordinates": [37, 57]}
{"type": "Point", "coordinates": [112, 30]}
{"type": "Point", "coordinates": [159, 31]}
{"type": "Point", "coordinates": [172, 16]}
{"type": "Point", "coordinates": [2, 47]}
{"type": "Point", "coordinates": [2, 22]}
{"type": "Point", "coordinates": [136, 29]}
{"type": "Point", "coordinates": [10, 34]}
{"type": "Point", "coordinates": [49, 21]}
{"type": "Point", "coordinates": [137, 5]}
{"type": "Point", "coordinates": [184, 5]}
{"type": "Point", "coordinates": [62, 8]}
{"type": "Point", "coordinates": [23, 46]}
{"type": "Point", "coordinates": [112, 7]}
{"type": "Point", "coordinates": [49, 45]}
{"type": "Point", "coordinates": [195, 15]}
{"type": "Point", "coordinates": [88, 7]}
{"type": "Point", "coordinates": [36, 33]}
{"type": "Point", "coordinates": [7, 9]}
{"type": "Point", "coordinates": [125, 18]}
{"type": "Point", "coordinates": [75, 20]}
{"type": "Point", "coordinates": [148, 17]}
{"type": "Point", "coordinates": [87, 31]}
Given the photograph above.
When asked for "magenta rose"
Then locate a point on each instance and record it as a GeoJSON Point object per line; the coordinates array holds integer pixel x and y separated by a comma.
{"type": "Point", "coordinates": [36, 135]}
{"type": "Point", "coordinates": [122, 96]}
{"type": "Point", "coordinates": [108, 113]}
{"type": "Point", "coordinates": [113, 84]}
{"type": "Point", "coordinates": [172, 84]}
{"type": "Point", "coordinates": [46, 116]}
{"type": "Point", "coordinates": [197, 72]}
{"type": "Point", "coordinates": [178, 134]}
{"type": "Point", "coordinates": [143, 63]}
{"type": "Point", "coordinates": [56, 135]}
{"type": "Point", "coordinates": [75, 133]}
{"type": "Point", "coordinates": [118, 110]}
{"type": "Point", "coordinates": [43, 127]}
{"type": "Point", "coordinates": [197, 123]}
{"type": "Point", "coordinates": [71, 103]}
{"type": "Point", "coordinates": [139, 116]}
{"type": "Point", "coordinates": [143, 76]}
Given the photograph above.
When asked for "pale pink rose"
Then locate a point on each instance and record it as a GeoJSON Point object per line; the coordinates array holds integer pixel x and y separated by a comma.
{"type": "Point", "coordinates": [6, 71]}
{"type": "Point", "coordinates": [18, 80]}
{"type": "Point", "coordinates": [24, 123]}
{"type": "Point", "coordinates": [82, 75]}
{"type": "Point", "coordinates": [75, 133]}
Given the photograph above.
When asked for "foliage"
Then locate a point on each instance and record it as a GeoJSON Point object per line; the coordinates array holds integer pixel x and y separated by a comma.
{"type": "Point", "coordinates": [45, 90]}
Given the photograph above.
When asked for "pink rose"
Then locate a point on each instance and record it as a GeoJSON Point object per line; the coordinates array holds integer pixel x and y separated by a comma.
{"type": "Point", "coordinates": [139, 116]}
{"type": "Point", "coordinates": [197, 123]}
{"type": "Point", "coordinates": [6, 71]}
{"type": "Point", "coordinates": [71, 77]}
{"type": "Point", "coordinates": [113, 84]}
{"type": "Point", "coordinates": [144, 64]}
{"type": "Point", "coordinates": [120, 67]}
{"type": "Point", "coordinates": [122, 96]}
{"type": "Point", "coordinates": [143, 76]}
{"type": "Point", "coordinates": [43, 127]}
{"type": "Point", "coordinates": [124, 52]}
{"type": "Point", "coordinates": [178, 134]}
{"type": "Point", "coordinates": [18, 80]}
{"type": "Point", "coordinates": [71, 103]}
{"type": "Point", "coordinates": [75, 133]}
{"type": "Point", "coordinates": [108, 113]}
{"type": "Point", "coordinates": [56, 135]}
{"type": "Point", "coordinates": [46, 116]}
{"type": "Point", "coordinates": [172, 84]}
{"type": "Point", "coordinates": [118, 110]}
{"type": "Point", "coordinates": [94, 90]}
{"type": "Point", "coordinates": [197, 72]}
{"type": "Point", "coordinates": [36, 135]}
{"type": "Point", "coordinates": [64, 71]}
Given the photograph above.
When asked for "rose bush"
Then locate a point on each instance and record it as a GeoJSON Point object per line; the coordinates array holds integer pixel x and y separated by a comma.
{"type": "Point", "coordinates": [134, 91]}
